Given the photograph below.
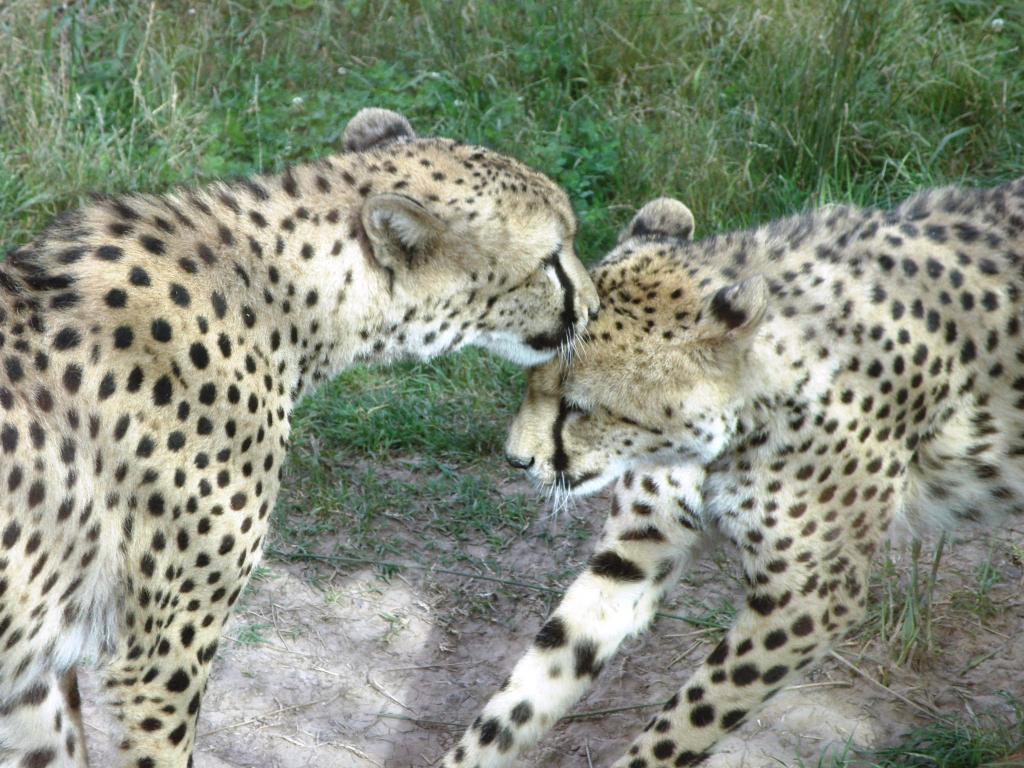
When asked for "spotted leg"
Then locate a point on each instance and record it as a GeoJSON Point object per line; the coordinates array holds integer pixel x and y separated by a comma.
{"type": "Point", "coordinates": [653, 526]}
{"type": "Point", "coordinates": [42, 726]}
{"type": "Point", "coordinates": [156, 686]}
{"type": "Point", "coordinates": [790, 619]}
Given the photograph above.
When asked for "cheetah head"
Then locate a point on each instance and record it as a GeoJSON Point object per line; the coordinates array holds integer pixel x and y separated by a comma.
{"type": "Point", "coordinates": [660, 377]}
{"type": "Point", "coordinates": [472, 246]}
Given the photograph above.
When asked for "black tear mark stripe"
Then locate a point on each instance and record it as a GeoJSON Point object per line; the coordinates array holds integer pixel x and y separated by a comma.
{"type": "Point", "coordinates": [560, 459]}
{"type": "Point", "coordinates": [569, 296]}
{"type": "Point", "coordinates": [568, 314]}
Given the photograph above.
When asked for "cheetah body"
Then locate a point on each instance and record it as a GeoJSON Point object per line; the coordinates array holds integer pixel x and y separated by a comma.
{"type": "Point", "coordinates": [151, 351]}
{"type": "Point", "coordinates": [796, 389]}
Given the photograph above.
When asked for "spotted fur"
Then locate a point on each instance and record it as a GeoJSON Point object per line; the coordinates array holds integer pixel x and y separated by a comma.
{"type": "Point", "coordinates": [151, 351]}
{"type": "Point", "coordinates": [794, 388]}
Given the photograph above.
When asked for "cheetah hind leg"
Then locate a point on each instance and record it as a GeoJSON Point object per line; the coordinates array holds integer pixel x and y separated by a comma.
{"type": "Point", "coordinates": [43, 726]}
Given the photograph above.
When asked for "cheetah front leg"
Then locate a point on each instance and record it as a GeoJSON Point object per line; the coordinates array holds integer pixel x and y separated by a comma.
{"type": "Point", "coordinates": [790, 620]}
{"type": "Point", "coordinates": [653, 526]}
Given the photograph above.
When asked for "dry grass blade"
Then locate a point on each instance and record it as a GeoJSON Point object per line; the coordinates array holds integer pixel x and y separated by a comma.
{"type": "Point", "coordinates": [923, 708]}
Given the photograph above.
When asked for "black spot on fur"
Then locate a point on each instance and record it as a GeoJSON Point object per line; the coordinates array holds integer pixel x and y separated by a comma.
{"type": "Point", "coordinates": [732, 718]}
{"type": "Point", "coordinates": [725, 312]}
{"type": "Point", "coordinates": [67, 338]}
{"type": "Point", "coordinates": [521, 712]}
{"type": "Point", "coordinates": [152, 244]}
{"type": "Point", "coordinates": [612, 566]}
{"type": "Point", "coordinates": [720, 654]}
{"type": "Point", "coordinates": [178, 682]}
{"type": "Point", "coordinates": [585, 658]}
{"type": "Point", "coordinates": [650, 533]}
{"type": "Point", "coordinates": [702, 715]}
{"type": "Point", "coordinates": [689, 758]}
{"type": "Point", "coordinates": [664, 749]}
{"type": "Point", "coordinates": [745, 674]}
{"type": "Point", "coordinates": [552, 634]}
{"type": "Point", "coordinates": [489, 731]}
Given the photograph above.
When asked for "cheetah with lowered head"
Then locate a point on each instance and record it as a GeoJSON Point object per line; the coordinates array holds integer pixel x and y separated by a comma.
{"type": "Point", "coordinates": [793, 389]}
{"type": "Point", "coordinates": [151, 351]}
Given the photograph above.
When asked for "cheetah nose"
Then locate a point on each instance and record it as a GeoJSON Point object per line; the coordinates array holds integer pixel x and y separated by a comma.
{"type": "Point", "coordinates": [518, 461]}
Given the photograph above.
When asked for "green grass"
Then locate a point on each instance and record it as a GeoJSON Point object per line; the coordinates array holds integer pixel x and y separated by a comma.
{"type": "Point", "coordinates": [901, 611]}
{"type": "Point", "coordinates": [438, 417]}
{"type": "Point", "coordinates": [251, 633]}
{"type": "Point", "coordinates": [977, 599]}
{"type": "Point", "coordinates": [745, 111]}
{"type": "Point", "coordinates": [990, 740]}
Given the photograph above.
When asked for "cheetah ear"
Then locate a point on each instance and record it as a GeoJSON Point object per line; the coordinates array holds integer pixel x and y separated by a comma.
{"type": "Point", "coordinates": [736, 310]}
{"type": "Point", "coordinates": [662, 217]}
{"type": "Point", "coordinates": [373, 127]}
{"type": "Point", "coordinates": [401, 230]}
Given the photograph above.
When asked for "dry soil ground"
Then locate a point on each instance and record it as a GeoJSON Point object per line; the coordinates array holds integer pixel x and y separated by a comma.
{"type": "Point", "coordinates": [330, 665]}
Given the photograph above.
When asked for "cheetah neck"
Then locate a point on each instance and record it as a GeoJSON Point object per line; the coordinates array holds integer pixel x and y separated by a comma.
{"type": "Point", "coordinates": [784, 383]}
{"type": "Point", "coordinates": [796, 354]}
{"type": "Point", "coordinates": [274, 271]}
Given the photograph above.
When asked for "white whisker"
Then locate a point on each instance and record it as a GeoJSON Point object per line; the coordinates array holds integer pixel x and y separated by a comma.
{"type": "Point", "coordinates": [568, 349]}
{"type": "Point", "coordinates": [562, 498]}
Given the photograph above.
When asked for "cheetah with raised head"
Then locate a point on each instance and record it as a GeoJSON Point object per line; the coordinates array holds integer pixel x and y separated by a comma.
{"type": "Point", "coordinates": [794, 389]}
{"type": "Point", "coordinates": [151, 351]}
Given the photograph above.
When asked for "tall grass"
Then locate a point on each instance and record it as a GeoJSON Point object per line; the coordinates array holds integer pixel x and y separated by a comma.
{"type": "Point", "coordinates": [744, 110]}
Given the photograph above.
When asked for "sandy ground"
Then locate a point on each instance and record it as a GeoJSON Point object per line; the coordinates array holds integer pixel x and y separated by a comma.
{"type": "Point", "coordinates": [330, 667]}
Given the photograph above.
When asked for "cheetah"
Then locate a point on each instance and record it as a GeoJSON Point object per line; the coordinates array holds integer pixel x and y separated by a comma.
{"type": "Point", "coordinates": [793, 389]}
{"type": "Point", "coordinates": [152, 348]}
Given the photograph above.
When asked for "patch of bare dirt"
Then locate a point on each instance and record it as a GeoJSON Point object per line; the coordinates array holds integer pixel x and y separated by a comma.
{"type": "Point", "coordinates": [324, 667]}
